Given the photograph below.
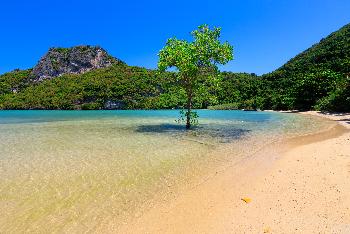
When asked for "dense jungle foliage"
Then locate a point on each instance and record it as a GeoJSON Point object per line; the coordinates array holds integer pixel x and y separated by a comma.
{"type": "Point", "coordinates": [318, 78]}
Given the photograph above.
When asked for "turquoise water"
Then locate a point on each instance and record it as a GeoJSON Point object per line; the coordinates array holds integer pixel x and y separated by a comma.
{"type": "Point", "coordinates": [7, 117]}
{"type": "Point", "coordinates": [77, 171]}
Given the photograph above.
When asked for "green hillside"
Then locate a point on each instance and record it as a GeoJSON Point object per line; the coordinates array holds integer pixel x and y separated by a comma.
{"type": "Point", "coordinates": [317, 78]}
{"type": "Point", "coordinates": [132, 87]}
{"type": "Point", "coordinates": [128, 87]}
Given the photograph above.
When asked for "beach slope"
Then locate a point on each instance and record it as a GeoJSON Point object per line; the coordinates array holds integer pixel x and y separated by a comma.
{"type": "Point", "coordinates": [305, 190]}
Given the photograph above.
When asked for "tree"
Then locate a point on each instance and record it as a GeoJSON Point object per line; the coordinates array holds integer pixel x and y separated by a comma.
{"type": "Point", "coordinates": [193, 58]}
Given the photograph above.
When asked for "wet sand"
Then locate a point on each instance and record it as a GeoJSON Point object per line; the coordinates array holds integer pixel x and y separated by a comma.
{"type": "Point", "coordinates": [305, 189]}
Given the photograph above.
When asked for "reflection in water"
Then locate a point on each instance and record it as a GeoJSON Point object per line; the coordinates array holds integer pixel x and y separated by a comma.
{"type": "Point", "coordinates": [222, 134]}
{"type": "Point", "coordinates": [85, 171]}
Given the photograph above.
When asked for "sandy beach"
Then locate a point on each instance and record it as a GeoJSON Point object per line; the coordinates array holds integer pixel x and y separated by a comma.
{"type": "Point", "coordinates": [306, 189]}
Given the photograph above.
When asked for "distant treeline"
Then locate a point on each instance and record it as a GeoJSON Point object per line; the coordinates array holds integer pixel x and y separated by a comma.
{"type": "Point", "coordinates": [318, 78]}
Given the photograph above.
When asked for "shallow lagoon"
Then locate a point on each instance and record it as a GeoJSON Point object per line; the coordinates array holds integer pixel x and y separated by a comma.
{"type": "Point", "coordinates": [85, 170]}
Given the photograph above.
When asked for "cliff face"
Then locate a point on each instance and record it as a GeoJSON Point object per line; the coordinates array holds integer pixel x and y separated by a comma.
{"type": "Point", "coordinates": [75, 60]}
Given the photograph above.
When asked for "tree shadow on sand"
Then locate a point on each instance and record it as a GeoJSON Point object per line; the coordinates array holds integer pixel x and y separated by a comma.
{"type": "Point", "coordinates": [223, 134]}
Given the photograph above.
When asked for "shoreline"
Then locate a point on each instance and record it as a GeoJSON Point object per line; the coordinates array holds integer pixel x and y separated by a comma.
{"type": "Point", "coordinates": [304, 190]}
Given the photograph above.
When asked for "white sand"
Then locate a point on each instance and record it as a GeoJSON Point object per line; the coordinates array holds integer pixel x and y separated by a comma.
{"type": "Point", "coordinates": [306, 190]}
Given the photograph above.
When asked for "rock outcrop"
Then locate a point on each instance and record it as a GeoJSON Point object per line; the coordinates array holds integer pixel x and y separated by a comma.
{"type": "Point", "coordinates": [75, 60]}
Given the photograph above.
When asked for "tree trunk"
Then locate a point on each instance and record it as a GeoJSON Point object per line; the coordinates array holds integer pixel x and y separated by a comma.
{"type": "Point", "coordinates": [189, 107]}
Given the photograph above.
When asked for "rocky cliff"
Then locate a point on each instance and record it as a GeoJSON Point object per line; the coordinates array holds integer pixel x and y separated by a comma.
{"type": "Point", "coordinates": [75, 60]}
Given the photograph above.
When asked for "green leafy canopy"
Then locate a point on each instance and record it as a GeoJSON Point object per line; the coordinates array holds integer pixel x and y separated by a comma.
{"type": "Point", "coordinates": [193, 58]}
{"type": "Point", "coordinates": [206, 51]}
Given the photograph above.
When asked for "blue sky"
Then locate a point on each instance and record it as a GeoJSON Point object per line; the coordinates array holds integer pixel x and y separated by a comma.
{"type": "Point", "coordinates": [265, 33]}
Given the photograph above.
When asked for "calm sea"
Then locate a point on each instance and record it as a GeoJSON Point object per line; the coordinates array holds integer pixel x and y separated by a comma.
{"type": "Point", "coordinates": [77, 171]}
